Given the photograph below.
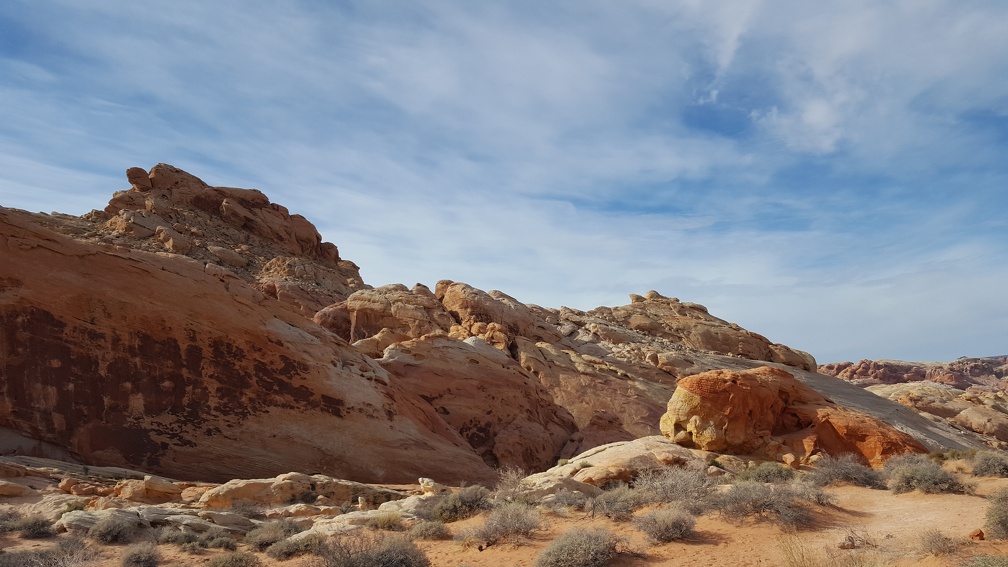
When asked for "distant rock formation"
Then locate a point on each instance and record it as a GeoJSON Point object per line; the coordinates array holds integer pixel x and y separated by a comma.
{"type": "Point", "coordinates": [968, 393]}
{"type": "Point", "coordinates": [206, 333]}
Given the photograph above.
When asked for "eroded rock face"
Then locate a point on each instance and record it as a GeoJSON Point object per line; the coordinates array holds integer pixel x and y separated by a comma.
{"type": "Point", "coordinates": [985, 413]}
{"type": "Point", "coordinates": [184, 368]}
{"type": "Point", "coordinates": [765, 411]}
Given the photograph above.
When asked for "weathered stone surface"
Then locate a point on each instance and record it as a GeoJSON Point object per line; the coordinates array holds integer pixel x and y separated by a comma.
{"type": "Point", "coordinates": [962, 373]}
{"type": "Point", "coordinates": [227, 520]}
{"type": "Point", "coordinates": [82, 520]}
{"type": "Point", "coordinates": [208, 380]}
{"type": "Point", "coordinates": [766, 411]}
{"type": "Point", "coordinates": [290, 487]}
{"type": "Point", "coordinates": [621, 461]}
{"type": "Point", "coordinates": [12, 489]}
{"type": "Point", "coordinates": [500, 409]}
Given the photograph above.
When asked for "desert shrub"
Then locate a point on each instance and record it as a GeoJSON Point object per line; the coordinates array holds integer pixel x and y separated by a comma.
{"type": "Point", "coordinates": [194, 547]}
{"type": "Point", "coordinates": [169, 534]}
{"type": "Point", "coordinates": [934, 542]}
{"type": "Point", "coordinates": [462, 504]}
{"type": "Point", "coordinates": [666, 524]}
{"type": "Point", "coordinates": [235, 559]}
{"type": "Point", "coordinates": [389, 521]}
{"type": "Point", "coordinates": [917, 472]}
{"type": "Point", "coordinates": [812, 493]}
{"type": "Point", "coordinates": [689, 486]}
{"type": "Point", "coordinates": [565, 498]}
{"type": "Point", "coordinates": [141, 555]}
{"type": "Point", "coordinates": [509, 522]}
{"type": "Point", "coordinates": [779, 503]}
{"type": "Point", "coordinates": [222, 542]}
{"type": "Point", "coordinates": [269, 533]}
{"type": "Point", "coordinates": [509, 484]}
{"type": "Point", "coordinates": [287, 548]}
{"type": "Point", "coordinates": [767, 472]}
{"type": "Point", "coordinates": [35, 527]}
{"type": "Point", "coordinates": [617, 503]}
{"type": "Point", "coordinates": [430, 530]}
{"type": "Point", "coordinates": [988, 463]}
{"type": "Point", "coordinates": [580, 547]}
{"type": "Point", "coordinates": [358, 549]}
{"type": "Point", "coordinates": [68, 552]}
{"type": "Point", "coordinates": [986, 561]}
{"type": "Point", "coordinates": [9, 520]}
{"type": "Point", "coordinates": [997, 514]}
{"type": "Point", "coordinates": [112, 529]}
{"type": "Point", "coordinates": [249, 509]}
{"type": "Point", "coordinates": [845, 468]}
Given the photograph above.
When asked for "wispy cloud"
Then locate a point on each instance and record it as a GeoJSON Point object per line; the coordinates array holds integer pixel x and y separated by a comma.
{"type": "Point", "coordinates": [829, 175]}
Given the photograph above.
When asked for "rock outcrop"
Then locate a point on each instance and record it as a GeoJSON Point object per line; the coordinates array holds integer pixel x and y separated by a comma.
{"type": "Point", "coordinates": [985, 413]}
{"type": "Point", "coordinates": [964, 373]}
{"type": "Point", "coordinates": [767, 412]}
{"type": "Point", "coordinates": [206, 333]}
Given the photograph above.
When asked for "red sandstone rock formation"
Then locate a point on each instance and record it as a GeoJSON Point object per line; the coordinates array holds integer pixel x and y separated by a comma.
{"type": "Point", "coordinates": [766, 411]}
{"type": "Point", "coordinates": [964, 373]}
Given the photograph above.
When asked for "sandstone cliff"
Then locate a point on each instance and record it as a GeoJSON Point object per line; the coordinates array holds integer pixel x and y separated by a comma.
{"type": "Point", "coordinates": [204, 332]}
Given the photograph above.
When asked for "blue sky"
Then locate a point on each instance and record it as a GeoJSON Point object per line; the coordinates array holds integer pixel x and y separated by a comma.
{"type": "Point", "coordinates": [833, 175]}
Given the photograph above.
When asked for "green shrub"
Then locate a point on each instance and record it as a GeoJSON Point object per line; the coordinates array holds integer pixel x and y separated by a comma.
{"type": "Point", "coordinates": [580, 547]}
{"type": "Point", "coordinates": [112, 529]}
{"type": "Point", "coordinates": [271, 532]}
{"type": "Point", "coordinates": [35, 527]}
{"type": "Point", "coordinates": [141, 555]}
{"type": "Point", "coordinates": [847, 469]}
{"type": "Point", "coordinates": [617, 503]}
{"type": "Point", "coordinates": [235, 559]}
{"type": "Point", "coordinates": [779, 503]}
{"type": "Point", "coordinates": [666, 524]}
{"type": "Point", "coordinates": [767, 472]}
{"type": "Point", "coordinates": [997, 514]}
{"type": "Point", "coordinates": [509, 522]}
{"type": "Point", "coordinates": [989, 463]}
{"type": "Point", "coordinates": [460, 505]}
{"type": "Point", "coordinates": [917, 472]}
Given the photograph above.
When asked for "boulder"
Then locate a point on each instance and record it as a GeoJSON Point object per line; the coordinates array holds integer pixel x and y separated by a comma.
{"type": "Point", "coordinates": [13, 489]}
{"type": "Point", "coordinates": [766, 411]}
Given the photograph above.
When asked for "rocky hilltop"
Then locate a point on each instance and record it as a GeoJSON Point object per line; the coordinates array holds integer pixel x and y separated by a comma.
{"type": "Point", "coordinates": [206, 333]}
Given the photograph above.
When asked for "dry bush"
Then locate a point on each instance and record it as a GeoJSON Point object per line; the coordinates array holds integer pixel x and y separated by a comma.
{"type": "Point", "coordinates": [689, 486]}
{"type": "Point", "coordinates": [989, 463]}
{"type": "Point", "coordinates": [581, 547]}
{"type": "Point", "coordinates": [388, 521]}
{"type": "Point", "coordinates": [510, 522]}
{"type": "Point", "coordinates": [429, 530]}
{"type": "Point", "coordinates": [933, 542]}
{"type": "Point", "coordinates": [9, 520]}
{"type": "Point", "coordinates": [996, 525]}
{"type": "Point", "coordinates": [779, 503]}
{"type": "Point", "coordinates": [235, 559]}
{"type": "Point", "coordinates": [460, 505]}
{"type": "Point", "coordinates": [847, 469]}
{"type": "Point", "coordinates": [68, 552]}
{"type": "Point", "coordinates": [917, 472]}
{"type": "Point", "coordinates": [141, 555]}
{"type": "Point", "coordinates": [812, 493]}
{"type": "Point", "coordinates": [369, 549]}
{"type": "Point", "coordinates": [112, 529]}
{"type": "Point", "coordinates": [666, 524]}
{"type": "Point", "coordinates": [510, 480]}
{"type": "Point", "coordinates": [269, 533]}
{"type": "Point", "coordinates": [796, 552]}
{"type": "Point", "coordinates": [287, 548]}
{"type": "Point", "coordinates": [617, 503]}
{"type": "Point", "coordinates": [35, 527]}
{"type": "Point", "coordinates": [566, 499]}
{"type": "Point", "coordinates": [986, 561]}
{"type": "Point", "coordinates": [249, 509]}
{"type": "Point", "coordinates": [767, 472]}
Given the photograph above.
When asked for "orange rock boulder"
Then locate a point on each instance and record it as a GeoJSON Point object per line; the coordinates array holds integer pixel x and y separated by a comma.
{"type": "Point", "coordinates": [766, 411]}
